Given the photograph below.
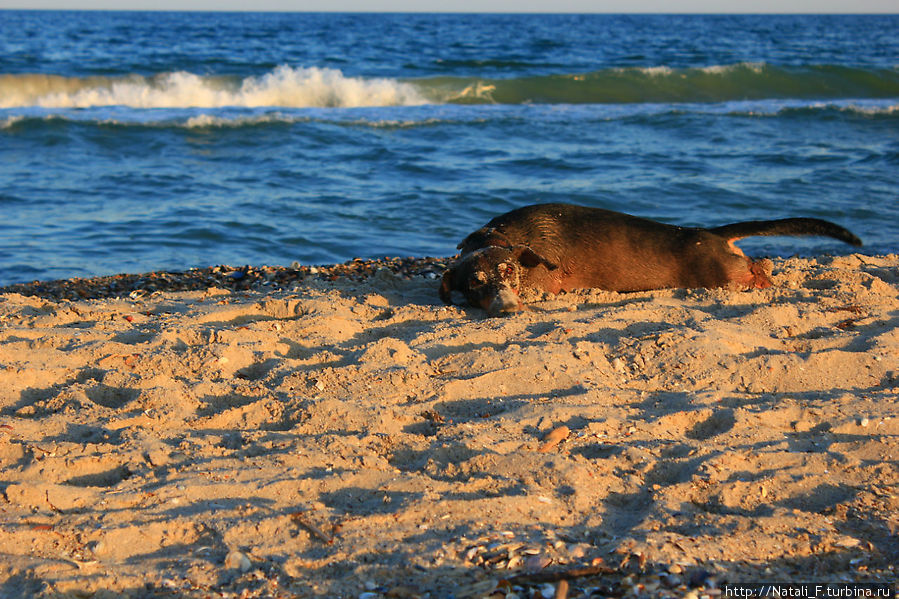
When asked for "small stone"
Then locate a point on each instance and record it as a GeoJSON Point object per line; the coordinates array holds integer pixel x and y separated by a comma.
{"type": "Point", "coordinates": [863, 421]}
{"type": "Point", "coordinates": [235, 560]}
{"type": "Point", "coordinates": [232, 440]}
{"type": "Point", "coordinates": [698, 578]}
{"type": "Point", "coordinates": [96, 547]}
{"type": "Point", "coordinates": [580, 550]}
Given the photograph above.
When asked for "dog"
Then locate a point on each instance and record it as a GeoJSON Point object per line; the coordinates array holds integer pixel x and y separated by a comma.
{"type": "Point", "coordinates": [561, 247]}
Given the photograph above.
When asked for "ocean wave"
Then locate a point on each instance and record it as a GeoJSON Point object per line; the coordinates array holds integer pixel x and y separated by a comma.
{"type": "Point", "coordinates": [662, 84]}
{"type": "Point", "coordinates": [284, 86]}
{"type": "Point", "coordinates": [289, 87]}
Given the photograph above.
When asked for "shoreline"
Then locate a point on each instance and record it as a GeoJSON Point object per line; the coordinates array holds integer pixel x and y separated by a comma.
{"type": "Point", "coordinates": [235, 278]}
{"type": "Point", "coordinates": [338, 432]}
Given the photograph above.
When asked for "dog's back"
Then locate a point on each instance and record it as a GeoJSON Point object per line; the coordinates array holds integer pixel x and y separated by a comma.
{"type": "Point", "coordinates": [598, 248]}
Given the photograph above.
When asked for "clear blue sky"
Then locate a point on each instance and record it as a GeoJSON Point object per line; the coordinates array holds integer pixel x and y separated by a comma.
{"type": "Point", "coordinates": [659, 6]}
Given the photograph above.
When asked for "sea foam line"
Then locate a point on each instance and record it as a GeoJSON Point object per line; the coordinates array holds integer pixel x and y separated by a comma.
{"type": "Point", "coordinates": [392, 117]}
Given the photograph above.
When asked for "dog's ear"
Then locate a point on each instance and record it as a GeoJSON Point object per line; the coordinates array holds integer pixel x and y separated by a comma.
{"type": "Point", "coordinates": [528, 257]}
{"type": "Point", "coordinates": [475, 240]}
{"type": "Point", "coordinates": [483, 237]}
{"type": "Point", "coordinates": [446, 286]}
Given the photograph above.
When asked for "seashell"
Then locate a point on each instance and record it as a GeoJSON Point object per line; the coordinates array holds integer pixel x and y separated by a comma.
{"type": "Point", "coordinates": [535, 563]}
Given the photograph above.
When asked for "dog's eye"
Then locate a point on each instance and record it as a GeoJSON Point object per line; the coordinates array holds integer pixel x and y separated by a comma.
{"type": "Point", "coordinates": [477, 280]}
{"type": "Point", "coordinates": [505, 269]}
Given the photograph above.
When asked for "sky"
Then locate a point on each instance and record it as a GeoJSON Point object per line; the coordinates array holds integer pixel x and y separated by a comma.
{"type": "Point", "coordinates": [578, 6]}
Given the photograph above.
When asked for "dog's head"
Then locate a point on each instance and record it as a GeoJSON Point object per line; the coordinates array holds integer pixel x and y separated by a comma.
{"type": "Point", "coordinates": [490, 277]}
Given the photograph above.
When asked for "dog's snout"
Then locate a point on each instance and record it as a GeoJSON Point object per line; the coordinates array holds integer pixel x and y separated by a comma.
{"type": "Point", "coordinates": [505, 301]}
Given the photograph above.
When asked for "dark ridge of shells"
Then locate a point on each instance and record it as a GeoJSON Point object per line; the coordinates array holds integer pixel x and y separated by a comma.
{"type": "Point", "coordinates": [242, 278]}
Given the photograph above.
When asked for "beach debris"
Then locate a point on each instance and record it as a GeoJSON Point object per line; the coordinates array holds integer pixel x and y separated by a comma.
{"type": "Point", "coordinates": [553, 438]}
{"type": "Point", "coordinates": [301, 519]}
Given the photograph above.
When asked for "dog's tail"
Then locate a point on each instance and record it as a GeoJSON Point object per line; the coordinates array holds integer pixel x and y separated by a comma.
{"type": "Point", "coordinates": [786, 226]}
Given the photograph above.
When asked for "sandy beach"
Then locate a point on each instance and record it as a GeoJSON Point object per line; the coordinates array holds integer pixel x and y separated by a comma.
{"type": "Point", "coordinates": [350, 436]}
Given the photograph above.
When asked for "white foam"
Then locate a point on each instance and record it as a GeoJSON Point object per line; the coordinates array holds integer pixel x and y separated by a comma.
{"type": "Point", "coordinates": [10, 121]}
{"type": "Point", "coordinates": [755, 67]}
{"type": "Point", "coordinates": [476, 91]}
{"type": "Point", "coordinates": [284, 87]}
{"type": "Point", "coordinates": [208, 121]}
{"type": "Point", "coordinates": [860, 107]}
{"type": "Point", "coordinates": [659, 71]}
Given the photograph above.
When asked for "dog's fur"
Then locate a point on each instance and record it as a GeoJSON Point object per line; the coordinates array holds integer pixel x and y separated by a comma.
{"type": "Point", "coordinates": [562, 247]}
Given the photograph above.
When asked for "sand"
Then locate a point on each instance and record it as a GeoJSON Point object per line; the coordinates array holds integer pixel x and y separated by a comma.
{"type": "Point", "coordinates": [345, 438]}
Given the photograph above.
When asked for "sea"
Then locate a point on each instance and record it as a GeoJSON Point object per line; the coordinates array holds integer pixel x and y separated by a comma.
{"type": "Point", "coordinates": [133, 142]}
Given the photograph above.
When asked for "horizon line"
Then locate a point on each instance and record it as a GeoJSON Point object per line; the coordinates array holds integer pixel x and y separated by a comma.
{"type": "Point", "coordinates": [453, 12]}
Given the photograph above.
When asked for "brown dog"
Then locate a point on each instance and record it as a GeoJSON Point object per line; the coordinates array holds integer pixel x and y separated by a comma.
{"type": "Point", "coordinates": [561, 247]}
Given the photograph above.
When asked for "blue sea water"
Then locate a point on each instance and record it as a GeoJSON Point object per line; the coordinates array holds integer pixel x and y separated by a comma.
{"type": "Point", "coordinates": [136, 141]}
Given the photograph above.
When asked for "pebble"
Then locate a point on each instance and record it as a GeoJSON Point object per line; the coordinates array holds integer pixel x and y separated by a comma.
{"type": "Point", "coordinates": [235, 560]}
{"type": "Point", "coordinates": [579, 551]}
{"type": "Point", "coordinates": [863, 421]}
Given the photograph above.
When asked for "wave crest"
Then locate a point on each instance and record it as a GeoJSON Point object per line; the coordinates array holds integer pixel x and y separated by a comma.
{"type": "Point", "coordinates": [285, 86]}
{"type": "Point", "coordinates": [289, 88]}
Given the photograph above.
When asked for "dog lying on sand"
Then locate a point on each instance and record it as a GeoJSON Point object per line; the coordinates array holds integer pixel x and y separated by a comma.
{"type": "Point", "coordinates": [562, 247]}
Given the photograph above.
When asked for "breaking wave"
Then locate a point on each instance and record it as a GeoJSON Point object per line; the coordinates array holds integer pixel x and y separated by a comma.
{"type": "Point", "coordinates": [284, 86]}
{"type": "Point", "coordinates": [301, 88]}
